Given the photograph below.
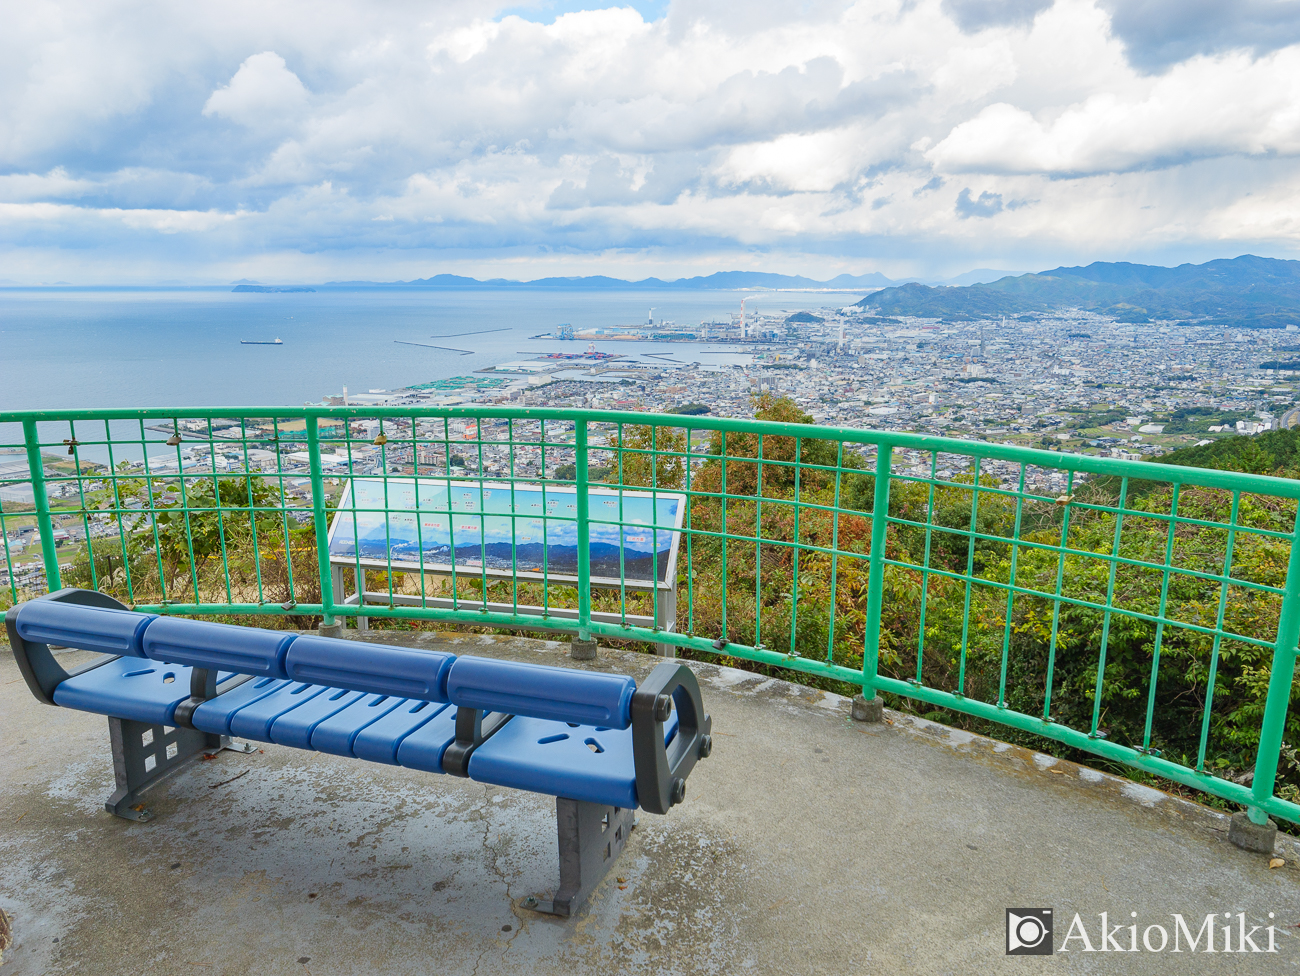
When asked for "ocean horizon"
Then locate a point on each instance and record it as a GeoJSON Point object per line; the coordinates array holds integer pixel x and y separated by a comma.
{"type": "Point", "coordinates": [183, 346]}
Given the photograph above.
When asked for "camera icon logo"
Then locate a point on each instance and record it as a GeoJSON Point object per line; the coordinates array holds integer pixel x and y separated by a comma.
{"type": "Point", "coordinates": [1029, 931]}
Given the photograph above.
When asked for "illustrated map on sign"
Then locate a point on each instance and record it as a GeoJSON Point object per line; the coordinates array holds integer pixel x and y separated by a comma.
{"type": "Point", "coordinates": [377, 522]}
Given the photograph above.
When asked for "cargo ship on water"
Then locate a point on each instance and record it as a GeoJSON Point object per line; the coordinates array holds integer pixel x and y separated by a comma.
{"type": "Point", "coordinates": [261, 342]}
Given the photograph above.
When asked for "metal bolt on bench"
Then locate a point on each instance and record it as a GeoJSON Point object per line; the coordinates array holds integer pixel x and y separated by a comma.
{"type": "Point", "coordinates": [174, 688]}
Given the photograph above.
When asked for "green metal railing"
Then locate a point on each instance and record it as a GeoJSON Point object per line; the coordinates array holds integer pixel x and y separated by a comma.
{"type": "Point", "coordinates": [1145, 613]}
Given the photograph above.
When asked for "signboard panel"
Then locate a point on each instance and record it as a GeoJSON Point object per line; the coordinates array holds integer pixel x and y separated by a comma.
{"type": "Point", "coordinates": [496, 525]}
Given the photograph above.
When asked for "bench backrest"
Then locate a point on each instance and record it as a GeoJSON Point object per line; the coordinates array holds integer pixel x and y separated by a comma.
{"type": "Point", "coordinates": [85, 627]}
{"type": "Point", "coordinates": [535, 690]}
{"type": "Point", "coordinates": [539, 691]}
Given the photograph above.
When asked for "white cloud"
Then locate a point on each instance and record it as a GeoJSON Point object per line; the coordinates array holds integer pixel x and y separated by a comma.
{"type": "Point", "coordinates": [171, 221]}
{"type": "Point", "coordinates": [971, 72]}
{"type": "Point", "coordinates": [1270, 215]}
{"type": "Point", "coordinates": [263, 92]}
{"type": "Point", "coordinates": [920, 130]}
{"type": "Point", "coordinates": [817, 162]}
{"type": "Point", "coordinates": [1204, 107]}
{"type": "Point", "coordinates": [69, 217]}
{"type": "Point", "coordinates": [56, 184]}
{"type": "Point", "coordinates": [463, 43]}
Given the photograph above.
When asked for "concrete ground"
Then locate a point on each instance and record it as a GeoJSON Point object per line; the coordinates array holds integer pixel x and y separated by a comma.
{"type": "Point", "coordinates": [807, 844]}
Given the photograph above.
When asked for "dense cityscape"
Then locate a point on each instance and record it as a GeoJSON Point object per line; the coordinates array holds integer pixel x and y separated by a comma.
{"type": "Point", "coordinates": [1070, 381]}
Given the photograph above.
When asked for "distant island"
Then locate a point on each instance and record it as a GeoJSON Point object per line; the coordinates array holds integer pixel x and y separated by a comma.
{"type": "Point", "coordinates": [718, 281]}
{"type": "Point", "coordinates": [1245, 292]}
{"type": "Point", "coordinates": [270, 289]}
{"type": "Point", "coordinates": [722, 280]}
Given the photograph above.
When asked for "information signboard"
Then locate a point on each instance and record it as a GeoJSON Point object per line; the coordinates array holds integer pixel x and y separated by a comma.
{"type": "Point", "coordinates": [496, 527]}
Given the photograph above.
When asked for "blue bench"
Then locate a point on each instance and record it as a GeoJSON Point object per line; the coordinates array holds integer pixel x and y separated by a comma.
{"type": "Point", "coordinates": [174, 689]}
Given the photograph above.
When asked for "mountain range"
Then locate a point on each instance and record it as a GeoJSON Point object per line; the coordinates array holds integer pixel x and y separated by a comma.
{"type": "Point", "coordinates": [1241, 292]}
{"type": "Point", "coordinates": [720, 280]}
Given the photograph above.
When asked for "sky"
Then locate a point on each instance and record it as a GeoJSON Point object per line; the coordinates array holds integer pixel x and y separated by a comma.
{"type": "Point", "coordinates": [149, 142]}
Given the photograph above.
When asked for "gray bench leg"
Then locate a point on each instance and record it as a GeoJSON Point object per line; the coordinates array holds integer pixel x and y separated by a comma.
{"type": "Point", "coordinates": [143, 754]}
{"type": "Point", "coordinates": [591, 838]}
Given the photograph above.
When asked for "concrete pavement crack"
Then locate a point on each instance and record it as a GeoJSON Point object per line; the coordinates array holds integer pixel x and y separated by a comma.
{"type": "Point", "coordinates": [493, 858]}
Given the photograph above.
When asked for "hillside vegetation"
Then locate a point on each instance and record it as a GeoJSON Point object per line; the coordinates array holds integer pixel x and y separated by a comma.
{"type": "Point", "coordinates": [1274, 452]}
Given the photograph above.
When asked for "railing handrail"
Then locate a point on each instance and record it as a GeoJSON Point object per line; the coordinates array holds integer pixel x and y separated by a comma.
{"type": "Point", "coordinates": [1086, 463]}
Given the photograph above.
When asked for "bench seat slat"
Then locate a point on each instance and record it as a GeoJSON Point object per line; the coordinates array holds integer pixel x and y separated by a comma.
{"type": "Point", "coordinates": [336, 734]}
{"type": "Point", "coordinates": [130, 688]}
{"type": "Point", "coordinates": [380, 741]}
{"type": "Point", "coordinates": [295, 727]}
{"type": "Point", "coordinates": [214, 716]}
{"type": "Point", "coordinates": [254, 721]}
{"type": "Point", "coordinates": [555, 757]}
{"type": "Point", "coordinates": [423, 748]}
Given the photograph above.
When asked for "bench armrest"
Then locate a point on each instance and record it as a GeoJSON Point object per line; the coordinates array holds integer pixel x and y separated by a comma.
{"type": "Point", "coordinates": [36, 662]}
{"type": "Point", "coordinates": [661, 770]}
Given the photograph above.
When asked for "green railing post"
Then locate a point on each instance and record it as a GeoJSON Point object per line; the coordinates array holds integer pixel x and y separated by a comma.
{"type": "Point", "coordinates": [1280, 680]}
{"type": "Point", "coordinates": [584, 530]}
{"type": "Point", "coordinates": [36, 469]}
{"type": "Point", "coordinates": [876, 572]}
{"type": "Point", "coordinates": [321, 521]}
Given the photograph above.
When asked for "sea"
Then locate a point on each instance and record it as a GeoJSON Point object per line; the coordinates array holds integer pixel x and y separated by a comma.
{"type": "Point", "coordinates": [84, 348]}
